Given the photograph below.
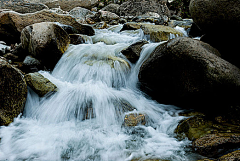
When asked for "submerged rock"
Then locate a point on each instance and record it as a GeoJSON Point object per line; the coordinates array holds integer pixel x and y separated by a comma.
{"type": "Point", "coordinates": [45, 41]}
{"type": "Point", "coordinates": [214, 144]}
{"type": "Point", "coordinates": [40, 84]}
{"type": "Point", "coordinates": [157, 32]}
{"type": "Point", "coordinates": [13, 92]}
{"type": "Point", "coordinates": [132, 53]}
{"type": "Point", "coordinates": [12, 23]}
{"type": "Point", "coordinates": [134, 119]}
{"type": "Point", "coordinates": [188, 73]}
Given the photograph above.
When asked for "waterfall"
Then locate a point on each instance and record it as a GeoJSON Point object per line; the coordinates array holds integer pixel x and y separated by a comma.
{"type": "Point", "coordinates": [83, 120]}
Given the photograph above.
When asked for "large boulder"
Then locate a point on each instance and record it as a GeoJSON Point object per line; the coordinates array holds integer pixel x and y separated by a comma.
{"type": "Point", "coordinates": [157, 33]}
{"type": "Point", "coordinates": [21, 6]}
{"type": "Point", "coordinates": [45, 41]}
{"type": "Point", "coordinates": [220, 21]}
{"type": "Point", "coordinates": [40, 84]}
{"type": "Point", "coordinates": [13, 92]}
{"type": "Point", "coordinates": [216, 15]}
{"type": "Point", "coordinates": [12, 23]}
{"type": "Point", "coordinates": [189, 73]}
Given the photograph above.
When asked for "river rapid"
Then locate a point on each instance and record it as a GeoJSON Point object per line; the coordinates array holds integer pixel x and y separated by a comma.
{"type": "Point", "coordinates": [83, 120]}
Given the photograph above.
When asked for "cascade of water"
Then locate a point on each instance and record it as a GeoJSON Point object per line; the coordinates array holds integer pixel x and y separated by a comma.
{"type": "Point", "coordinates": [83, 119]}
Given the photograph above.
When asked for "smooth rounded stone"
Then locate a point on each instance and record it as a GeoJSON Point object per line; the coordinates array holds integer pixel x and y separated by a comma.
{"type": "Point", "coordinates": [12, 23]}
{"type": "Point", "coordinates": [29, 60]}
{"type": "Point", "coordinates": [212, 145]}
{"type": "Point", "coordinates": [79, 39]}
{"type": "Point", "coordinates": [190, 74]}
{"type": "Point", "coordinates": [132, 53]}
{"type": "Point", "coordinates": [45, 41]}
{"type": "Point", "coordinates": [39, 84]}
{"type": "Point", "coordinates": [157, 32]}
{"type": "Point", "coordinates": [13, 92]}
{"type": "Point", "coordinates": [216, 15]}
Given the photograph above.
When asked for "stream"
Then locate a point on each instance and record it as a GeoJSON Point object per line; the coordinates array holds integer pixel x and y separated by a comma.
{"type": "Point", "coordinates": [83, 120]}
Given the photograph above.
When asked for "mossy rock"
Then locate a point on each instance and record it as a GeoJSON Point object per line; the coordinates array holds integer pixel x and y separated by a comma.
{"type": "Point", "coordinates": [200, 125]}
{"type": "Point", "coordinates": [213, 145]}
{"type": "Point", "coordinates": [40, 84]}
{"type": "Point", "coordinates": [13, 92]}
{"type": "Point", "coordinates": [134, 119]}
{"type": "Point", "coordinates": [233, 156]}
{"type": "Point", "coordinates": [157, 32]}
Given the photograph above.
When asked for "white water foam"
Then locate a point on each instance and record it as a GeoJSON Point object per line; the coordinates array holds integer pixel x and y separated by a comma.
{"type": "Point", "coordinates": [83, 120]}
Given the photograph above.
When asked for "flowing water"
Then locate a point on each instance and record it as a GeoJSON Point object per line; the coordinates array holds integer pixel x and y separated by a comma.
{"type": "Point", "coordinates": [83, 120]}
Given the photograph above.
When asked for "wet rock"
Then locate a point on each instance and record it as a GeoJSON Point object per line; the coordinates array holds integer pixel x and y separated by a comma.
{"type": "Point", "coordinates": [134, 119]}
{"type": "Point", "coordinates": [45, 41]}
{"type": "Point", "coordinates": [122, 106]}
{"type": "Point", "coordinates": [214, 144]}
{"type": "Point", "coordinates": [114, 8]}
{"type": "Point", "coordinates": [40, 84]}
{"type": "Point", "coordinates": [11, 56]}
{"type": "Point", "coordinates": [4, 49]}
{"type": "Point", "coordinates": [195, 127]}
{"type": "Point", "coordinates": [31, 65]}
{"type": "Point", "coordinates": [79, 39]}
{"type": "Point", "coordinates": [123, 64]}
{"type": "Point", "coordinates": [220, 22]}
{"type": "Point", "coordinates": [157, 32]}
{"type": "Point", "coordinates": [132, 53]}
{"type": "Point", "coordinates": [188, 73]}
{"type": "Point", "coordinates": [233, 156]}
{"type": "Point", "coordinates": [13, 92]}
{"type": "Point", "coordinates": [22, 7]}
{"type": "Point", "coordinates": [100, 25]}
{"type": "Point", "coordinates": [12, 23]}
{"type": "Point", "coordinates": [200, 125]}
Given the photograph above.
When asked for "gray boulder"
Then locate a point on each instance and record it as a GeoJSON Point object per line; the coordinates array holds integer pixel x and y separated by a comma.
{"type": "Point", "coordinates": [189, 73]}
{"type": "Point", "coordinates": [45, 41]}
{"type": "Point", "coordinates": [220, 22]}
{"type": "Point", "coordinates": [40, 84]}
